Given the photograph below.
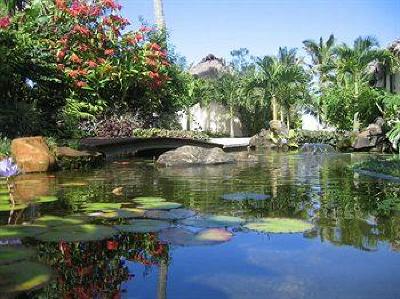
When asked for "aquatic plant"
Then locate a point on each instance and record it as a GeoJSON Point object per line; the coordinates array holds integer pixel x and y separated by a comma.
{"type": "Point", "coordinates": [279, 225]}
{"type": "Point", "coordinates": [185, 237]}
{"type": "Point", "coordinates": [8, 168]}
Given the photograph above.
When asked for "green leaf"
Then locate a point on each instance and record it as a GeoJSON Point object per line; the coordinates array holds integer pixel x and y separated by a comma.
{"type": "Point", "coordinates": [279, 225]}
{"type": "Point", "coordinates": [143, 226]}
{"type": "Point", "coordinates": [213, 221]}
{"type": "Point", "coordinates": [184, 237]}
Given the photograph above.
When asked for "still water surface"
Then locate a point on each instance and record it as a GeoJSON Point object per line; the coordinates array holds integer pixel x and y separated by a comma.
{"type": "Point", "coordinates": [352, 252]}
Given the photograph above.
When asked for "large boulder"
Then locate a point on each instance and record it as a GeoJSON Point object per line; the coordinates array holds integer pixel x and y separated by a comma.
{"type": "Point", "coordinates": [371, 137]}
{"type": "Point", "coordinates": [32, 154]}
{"type": "Point", "coordinates": [68, 158]}
{"type": "Point", "coordinates": [194, 155]}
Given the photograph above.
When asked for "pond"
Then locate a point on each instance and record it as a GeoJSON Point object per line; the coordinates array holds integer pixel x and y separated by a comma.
{"type": "Point", "coordinates": [333, 233]}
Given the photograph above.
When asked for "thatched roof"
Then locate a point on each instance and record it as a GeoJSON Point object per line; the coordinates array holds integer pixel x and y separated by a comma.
{"type": "Point", "coordinates": [209, 67]}
{"type": "Point", "coordinates": [395, 47]}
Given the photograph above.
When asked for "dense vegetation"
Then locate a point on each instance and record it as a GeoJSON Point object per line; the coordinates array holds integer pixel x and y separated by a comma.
{"type": "Point", "coordinates": [71, 69]}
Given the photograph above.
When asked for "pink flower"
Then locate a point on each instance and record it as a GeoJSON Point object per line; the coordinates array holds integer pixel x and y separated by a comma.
{"type": "Point", "coordinates": [109, 52]}
{"type": "Point", "coordinates": [91, 64]}
{"type": "Point", "coordinates": [5, 22]}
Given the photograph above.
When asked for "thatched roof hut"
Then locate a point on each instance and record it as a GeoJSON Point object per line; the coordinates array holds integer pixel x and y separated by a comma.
{"type": "Point", "coordinates": [394, 47]}
{"type": "Point", "coordinates": [209, 67]}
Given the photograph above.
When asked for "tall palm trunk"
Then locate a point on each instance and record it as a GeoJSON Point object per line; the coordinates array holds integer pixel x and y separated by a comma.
{"type": "Point", "coordinates": [274, 105]}
{"type": "Point", "coordinates": [159, 14]}
{"type": "Point", "coordinates": [232, 132]}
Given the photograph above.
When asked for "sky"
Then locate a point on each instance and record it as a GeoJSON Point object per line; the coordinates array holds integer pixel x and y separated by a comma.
{"type": "Point", "coordinates": [201, 27]}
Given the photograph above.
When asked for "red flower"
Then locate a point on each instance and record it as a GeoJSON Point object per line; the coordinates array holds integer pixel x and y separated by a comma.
{"type": "Point", "coordinates": [60, 67]}
{"type": "Point", "coordinates": [111, 4]}
{"type": "Point", "coordinates": [101, 60]}
{"type": "Point", "coordinates": [155, 47]}
{"type": "Point", "coordinates": [151, 62]}
{"type": "Point", "coordinates": [139, 37]}
{"type": "Point", "coordinates": [60, 55]}
{"type": "Point", "coordinates": [154, 75]}
{"type": "Point", "coordinates": [81, 29]}
{"type": "Point", "coordinates": [73, 74]}
{"type": "Point", "coordinates": [60, 4]}
{"type": "Point", "coordinates": [81, 84]}
{"type": "Point", "coordinates": [75, 59]}
{"type": "Point", "coordinates": [91, 64]}
{"type": "Point", "coordinates": [145, 29]}
{"type": "Point", "coordinates": [112, 245]}
{"type": "Point", "coordinates": [109, 52]}
{"type": "Point", "coordinates": [5, 22]}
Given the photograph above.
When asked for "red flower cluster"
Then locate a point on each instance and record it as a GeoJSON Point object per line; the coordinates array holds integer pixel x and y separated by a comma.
{"type": "Point", "coordinates": [5, 22]}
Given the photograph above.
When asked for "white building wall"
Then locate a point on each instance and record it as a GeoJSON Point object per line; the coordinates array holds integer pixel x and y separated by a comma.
{"type": "Point", "coordinates": [212, 118]}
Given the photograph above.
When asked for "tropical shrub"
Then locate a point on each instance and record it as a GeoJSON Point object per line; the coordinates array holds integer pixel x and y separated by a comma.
{"type": "Point", "coordinates": [148, 133]}
{"type": "Point", "coordinates": [80, 62]}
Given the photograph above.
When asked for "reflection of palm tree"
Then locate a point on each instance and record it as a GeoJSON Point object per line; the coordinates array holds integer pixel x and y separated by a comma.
{"type": "Point", "coordinates": [159, 14]}
{"type": "Point", "coordinates": [162, 279]}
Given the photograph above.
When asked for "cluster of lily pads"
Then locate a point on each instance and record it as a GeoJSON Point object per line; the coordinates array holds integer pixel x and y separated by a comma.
{"type": "Point", "coordinates": [174, 224]}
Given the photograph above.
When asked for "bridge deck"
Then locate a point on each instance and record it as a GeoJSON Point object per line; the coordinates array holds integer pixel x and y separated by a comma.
{"type": "Point", "coordinates": [117, 147]}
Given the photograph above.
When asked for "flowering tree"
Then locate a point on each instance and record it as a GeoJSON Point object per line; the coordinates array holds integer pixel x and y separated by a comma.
{"type": "Point", "coordinates": [85, 49]}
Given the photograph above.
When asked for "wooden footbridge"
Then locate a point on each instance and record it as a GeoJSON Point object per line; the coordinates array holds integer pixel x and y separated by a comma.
{"type": "Point", "coordinates": [130, 146]}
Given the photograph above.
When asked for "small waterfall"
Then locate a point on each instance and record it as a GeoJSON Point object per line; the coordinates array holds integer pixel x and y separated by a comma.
{"type": "Point", "coordinates": [317, 148]}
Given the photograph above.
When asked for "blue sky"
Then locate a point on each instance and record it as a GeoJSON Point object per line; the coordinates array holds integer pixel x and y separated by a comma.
{"type": "Point", "coordinates": [200, 27]}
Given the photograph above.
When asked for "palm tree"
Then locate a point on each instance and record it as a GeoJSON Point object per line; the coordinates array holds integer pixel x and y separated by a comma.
{"type": "Point", "coordinates": [281, 79]}
{"type": "Point", "coordinates": [355, 66]}
{"type": "Point", "coordinates": [159, 14]}
{"type": "Point", "coordinates": [322, 57]}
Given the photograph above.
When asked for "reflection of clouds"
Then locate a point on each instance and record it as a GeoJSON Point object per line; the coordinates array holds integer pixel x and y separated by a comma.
{"type": "Point", "coordinates": [237, 286]}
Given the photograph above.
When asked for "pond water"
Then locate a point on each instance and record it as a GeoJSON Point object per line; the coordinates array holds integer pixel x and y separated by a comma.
{"type": "Point", "coordinates": [351, 249]}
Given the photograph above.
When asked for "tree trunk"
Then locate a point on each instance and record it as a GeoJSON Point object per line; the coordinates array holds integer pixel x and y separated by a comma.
{"type": "Point", "coordinates": [188, 118]}
{"type": "Point", "coordinates": [159, 14]}
{"type": "Point", "coordinates": [274, 108]}
{"type": "Point", "coordinates": [232, 132]}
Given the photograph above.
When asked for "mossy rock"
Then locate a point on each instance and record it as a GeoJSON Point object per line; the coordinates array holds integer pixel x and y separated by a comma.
{"type": "Point", "coordinates": [59, 221]}
{"type": "Point", "coordinates": [213, 221]}
{"type": "Point", "coordinates": [23, 276]}
{"type": "Point", "coordinates": [126, 213]}
{"type": "Point", "coordinates": [165, 205]}
{"type": "Point", "coordinates": [184, 237]}
{"type": "Point", "coordinates": [279, 225]}
{"type": "Point", "coordinates": [13, 254]}
{"type": "Point", "coordinates": [175, 214]}
{"type": "Point", "coordinates": [143, 226]}
{"type": "Point", "coordinates": [77, 233]}
{"type": "Point", "coordinates": [20, 231]}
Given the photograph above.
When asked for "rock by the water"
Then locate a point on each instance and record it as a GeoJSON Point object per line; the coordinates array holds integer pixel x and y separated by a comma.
{"type": "Point", "coordinates": [371, 137]}
{"type": "Point", "coordinates": [68, 158]}
{"type": "Point", "coordinates": [316, 148]}
{"type": "Point", "coordinates": [194, 155]}
{"type": "Point", "coordinates": [32, 154]}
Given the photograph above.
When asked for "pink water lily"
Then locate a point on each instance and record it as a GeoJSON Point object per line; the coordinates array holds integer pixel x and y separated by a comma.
{"type": "Point", "coordinates": [8, 168]}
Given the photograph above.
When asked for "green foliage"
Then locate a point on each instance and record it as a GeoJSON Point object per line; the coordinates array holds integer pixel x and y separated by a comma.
{"type": "Point", "coordinates": [155, 132]}
{"type": "Point", "coordinates": [5, 145]}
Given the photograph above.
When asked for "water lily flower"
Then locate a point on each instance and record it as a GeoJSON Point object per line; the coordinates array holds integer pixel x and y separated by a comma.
{"type": "Point", "coordinates": [8, 168]}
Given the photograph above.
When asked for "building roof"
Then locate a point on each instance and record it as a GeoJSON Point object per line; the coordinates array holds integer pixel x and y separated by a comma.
{"type": "Point", "coordinates": [209, 67]}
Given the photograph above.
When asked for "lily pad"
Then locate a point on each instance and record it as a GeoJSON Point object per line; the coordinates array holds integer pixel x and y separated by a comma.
{"type": "Point", "coordinates": [184, 237]}
{"type": "Point", "coordinates": [23, 276]}
{"type": "Point", "coordinates": [58, 221]}
{"type": "Point", "coordinates": [143, 226]}
{"type": "Point", "coordinates": [10, 255]}
{"type": "Point", "coordinates": [5, 197]}
{"type": "Point", "coordinates": [148, 199]}
{"type": "Point", "coordinates": [5, 207]}
{"type": "Point", "coordinates": [279, 225]}
{"type": "Point", "coordinates": [20, 231]}
{"type": "Point", "coordinates": [46, 198]}
{"type": "Point", "coordinates": [120, 214]}
{"type": "Point", "coordinates": [175, 214]}
{"type": "Point", "coordinates": [241, 196]}
{"type": "Point", "coordinates": [166, 205]}
{"type": "Point", "coordinates": [76, 233]}
{"type": "Point", "coordinates": [102, 206]}
{"type": "Point", "coordinates": [213, 221]}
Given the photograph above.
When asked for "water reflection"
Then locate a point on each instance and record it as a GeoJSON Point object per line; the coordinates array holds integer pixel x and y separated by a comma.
{"type": "Point", "coordinates": [356, 220]}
